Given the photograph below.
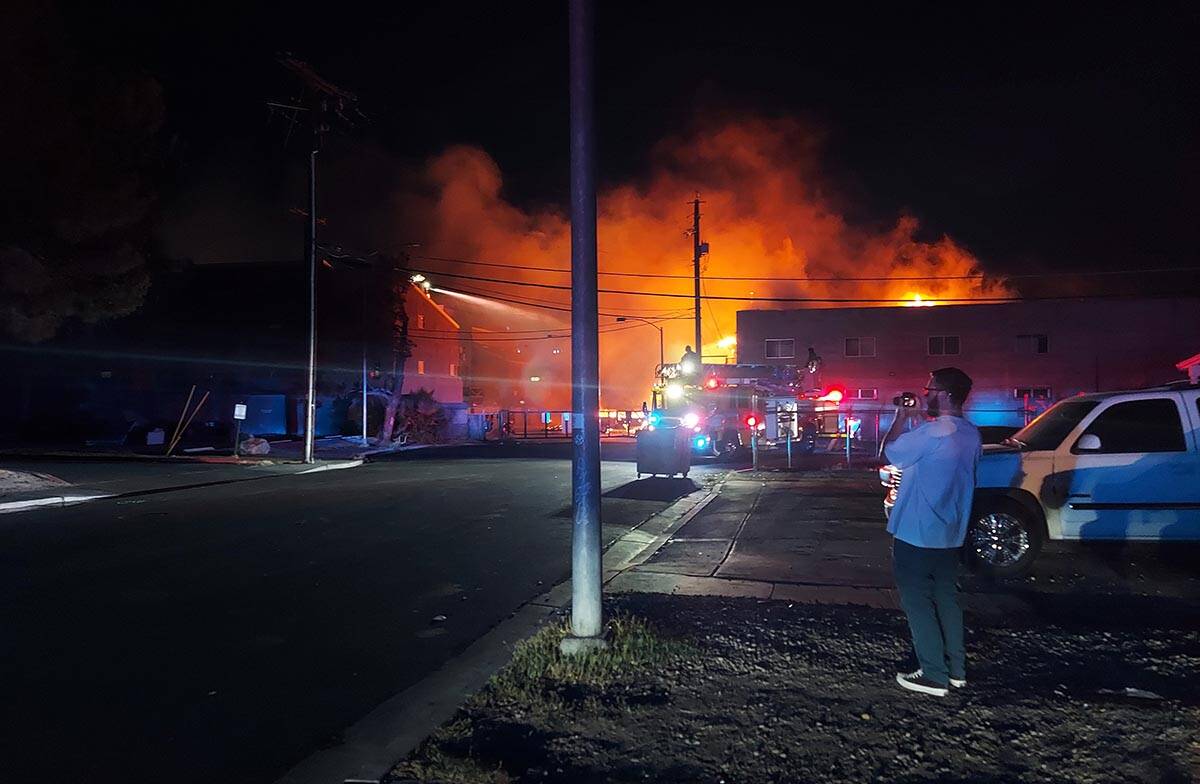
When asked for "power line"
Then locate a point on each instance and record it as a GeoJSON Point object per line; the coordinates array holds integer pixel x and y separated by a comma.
{"type": "Point", "coordinates": [826, 279]}
{"type": "Point", "coordinates": [525, 299]}
{"type": "Point", "coordinates": [712, 312]}
{"type": "Point", "coordinates": [566, 334]}
{"type": "Point", "coordinates": [816, 300]}
{"type": "Point", "coordinates": [499, 298]}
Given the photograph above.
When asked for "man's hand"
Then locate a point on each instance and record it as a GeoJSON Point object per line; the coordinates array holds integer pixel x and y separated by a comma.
{"type": "Point", "coordinates": [905, 416]}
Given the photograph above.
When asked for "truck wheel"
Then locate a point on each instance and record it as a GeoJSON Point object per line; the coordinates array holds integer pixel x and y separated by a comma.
{"type": "Point", "coordinates": [1003, 539]}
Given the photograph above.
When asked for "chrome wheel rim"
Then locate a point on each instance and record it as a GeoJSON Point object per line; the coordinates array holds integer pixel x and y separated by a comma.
{"type": "Point", "coordinates": [999, 539]}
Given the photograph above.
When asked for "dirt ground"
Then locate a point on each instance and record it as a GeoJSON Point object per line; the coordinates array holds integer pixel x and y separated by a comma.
{"type": "Point", "coordinates": [774, 692]}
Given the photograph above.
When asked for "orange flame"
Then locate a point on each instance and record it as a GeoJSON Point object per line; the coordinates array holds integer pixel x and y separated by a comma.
{"type": "Point", "coordinates": [768, 213]}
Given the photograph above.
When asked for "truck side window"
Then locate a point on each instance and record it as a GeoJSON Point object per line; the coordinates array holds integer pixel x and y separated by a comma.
{"type": "Point", "coordinates": [1139, 426]}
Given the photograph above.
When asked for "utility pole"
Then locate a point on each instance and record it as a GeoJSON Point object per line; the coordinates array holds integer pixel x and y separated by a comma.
{"type": "Point", "coordinates": [322, 100]}
{"type": "Point", "coordinates": [587, 631]}
{"type": "Point", "coordinates": [310, 251]}
{"type": "Point", "coordinates": [698, 345]}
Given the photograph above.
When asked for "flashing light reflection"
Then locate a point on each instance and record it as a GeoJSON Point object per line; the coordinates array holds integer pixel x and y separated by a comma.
{"type": "Point", "coordinates": [674, 391]}
{"type": "Point", "coordinates": [690, 419]}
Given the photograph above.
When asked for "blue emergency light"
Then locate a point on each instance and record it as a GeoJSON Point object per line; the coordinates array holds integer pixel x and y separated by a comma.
{"type": "Point", "coordinates": [701, 441]}
{"type": "Point", "coordinates": [655, 419]}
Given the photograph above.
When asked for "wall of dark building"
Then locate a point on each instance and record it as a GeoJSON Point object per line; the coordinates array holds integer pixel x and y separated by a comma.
{"type": "Point", "coordinates": [232, 330]}
{"type": "Point", "coordinates": [1089, 345]}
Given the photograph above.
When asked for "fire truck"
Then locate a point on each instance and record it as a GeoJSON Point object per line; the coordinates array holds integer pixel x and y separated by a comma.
{"type": "Point", "coordinates": [724, 404]}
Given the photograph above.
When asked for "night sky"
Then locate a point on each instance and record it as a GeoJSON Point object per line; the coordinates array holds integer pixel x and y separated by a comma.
{"type": "Point", "coordinates": [1039, 139]}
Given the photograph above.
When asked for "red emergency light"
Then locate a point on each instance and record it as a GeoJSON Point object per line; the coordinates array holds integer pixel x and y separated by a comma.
{"type": "Point", "coordinates": [751, 421]}
{"type": "Point", "coordinates": [711, 383]}
{"type": "Point", "coordinates": [833, 395]}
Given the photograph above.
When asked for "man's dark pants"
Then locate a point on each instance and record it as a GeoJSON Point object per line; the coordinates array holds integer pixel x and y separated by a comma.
{"type": "Point", "coordinates": [928, 583]}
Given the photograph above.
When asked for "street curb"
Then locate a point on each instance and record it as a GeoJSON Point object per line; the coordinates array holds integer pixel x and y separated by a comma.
{"type": "Point", "coordinates": [51, 500]}
{"type": "Point", "coordinates": [384, 736]}
{"type": "Point", "coordinates": [338, 466]}
{"type": "Point", "coordinates": [70, 500]}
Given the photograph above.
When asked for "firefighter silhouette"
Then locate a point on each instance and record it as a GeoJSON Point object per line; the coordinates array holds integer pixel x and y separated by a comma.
{"type": "Point", "coordinates": [689, 364]}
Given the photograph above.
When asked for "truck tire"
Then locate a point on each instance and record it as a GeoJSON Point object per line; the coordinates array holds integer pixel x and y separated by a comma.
{"type": "Point", "coordinates": [1003, 538]}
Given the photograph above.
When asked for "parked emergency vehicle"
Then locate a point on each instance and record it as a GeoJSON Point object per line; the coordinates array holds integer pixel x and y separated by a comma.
{"type": "Point", "coordinates": [724, 404]}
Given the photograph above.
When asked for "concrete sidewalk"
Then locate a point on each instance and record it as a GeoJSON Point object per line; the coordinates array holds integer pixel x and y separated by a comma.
{"type": "Point", "coordinates": [819, 539]}
{"type": "Point", "coordinates": [31, 484]}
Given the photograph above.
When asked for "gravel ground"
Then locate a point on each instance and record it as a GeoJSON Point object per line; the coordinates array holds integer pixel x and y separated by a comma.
{"type": "Point", "coordinates": [775, 692]}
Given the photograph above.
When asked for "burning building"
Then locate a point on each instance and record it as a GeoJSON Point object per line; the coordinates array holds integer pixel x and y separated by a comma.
{"type": "Point", "coordinates": [772, 220]}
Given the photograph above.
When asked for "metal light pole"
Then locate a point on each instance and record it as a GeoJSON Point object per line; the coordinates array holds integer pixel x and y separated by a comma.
{"type": "Point", "coordinates": [364, 361]}
{"type": "Point", "coordinates": [661, 361]}
{"type": "Point", "coordinates": [586, 613]}
{"type": "Point", "coordinates": [697, 249]}
{"type": "Point", "coordinates": [310, 403]}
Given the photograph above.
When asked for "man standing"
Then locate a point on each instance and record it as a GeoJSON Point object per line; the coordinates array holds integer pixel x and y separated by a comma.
{"type": "Point", "coordinates": [929, 523]}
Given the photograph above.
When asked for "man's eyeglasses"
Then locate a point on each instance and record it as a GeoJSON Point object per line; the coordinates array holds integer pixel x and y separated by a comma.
{"type": "Point", "coordinates": [935, 389]}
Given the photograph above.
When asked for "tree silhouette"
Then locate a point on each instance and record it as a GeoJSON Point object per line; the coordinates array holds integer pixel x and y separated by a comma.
{"type": "Point", "coordinates": [79, 151]}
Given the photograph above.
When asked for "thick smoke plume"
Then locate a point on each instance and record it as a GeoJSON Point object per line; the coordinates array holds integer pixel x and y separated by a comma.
{"type": "Point", "coordinates": [766, 214]}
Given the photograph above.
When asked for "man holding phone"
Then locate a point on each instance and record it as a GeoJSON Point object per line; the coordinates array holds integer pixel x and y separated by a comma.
{"type": "Point", "coordinates": [937, 451]}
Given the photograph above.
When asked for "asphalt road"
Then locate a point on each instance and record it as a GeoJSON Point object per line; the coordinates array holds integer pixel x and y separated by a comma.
{"type": "Point", "coordinates": [225, 633]}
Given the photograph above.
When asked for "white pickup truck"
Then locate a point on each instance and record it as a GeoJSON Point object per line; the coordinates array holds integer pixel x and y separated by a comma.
{"type": "Point", "coordinates": [1104, 466]}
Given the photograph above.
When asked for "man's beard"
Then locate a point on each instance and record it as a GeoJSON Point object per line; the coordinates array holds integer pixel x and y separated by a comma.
{"type": "Point", "coordinates": [933, 408]}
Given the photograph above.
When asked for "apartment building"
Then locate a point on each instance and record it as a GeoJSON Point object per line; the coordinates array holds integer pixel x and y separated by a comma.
{"type": "Point", "coordinates": [1022, 355]}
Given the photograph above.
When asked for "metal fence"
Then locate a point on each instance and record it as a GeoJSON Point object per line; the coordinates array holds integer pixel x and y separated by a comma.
{"type": "Point", "coordinates": [532, 423]}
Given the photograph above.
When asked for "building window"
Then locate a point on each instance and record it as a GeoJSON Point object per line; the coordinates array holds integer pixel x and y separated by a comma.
{"type": "Point", "coordinates": [780, 348]}
{"type": "Point", "coordinates": [453, 369]}
{"type": "Point", "coordinates": [420, 367]}
{"type": "Point", "coordinates": [943, 345]}
{"type": "Point", "coordinates": [1033, 344]}
{"type": "Point", "coordinates": [860, 347]}
{"type": "Point", "coordinates": [863, 393]}
{"type": "Point", "coordinates": [420, 321]}
{"type": "Point", "coordinates": [1032, 393]}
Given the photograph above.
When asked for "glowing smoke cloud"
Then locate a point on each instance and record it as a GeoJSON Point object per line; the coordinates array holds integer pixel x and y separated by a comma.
{"type": "Point", "coordinates": [765, 213]}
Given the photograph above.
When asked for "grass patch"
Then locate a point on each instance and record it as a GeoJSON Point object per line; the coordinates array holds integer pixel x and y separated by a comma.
{"type": "Point", "coordinates": [539, 682]}
{"type": "Point", "coordinates": [539, 671]}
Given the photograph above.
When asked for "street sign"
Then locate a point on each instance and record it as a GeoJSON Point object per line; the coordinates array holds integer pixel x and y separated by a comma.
{"type": "Point", "coordinates": [239, 411]}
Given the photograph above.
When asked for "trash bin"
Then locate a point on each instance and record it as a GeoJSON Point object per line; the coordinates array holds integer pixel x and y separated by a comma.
{"type": "Point", "coordinates": [664, 450]}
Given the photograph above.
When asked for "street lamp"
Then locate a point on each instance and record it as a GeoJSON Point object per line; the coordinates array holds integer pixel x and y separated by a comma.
{"type": "Point", "coordinates": [661, 360]}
